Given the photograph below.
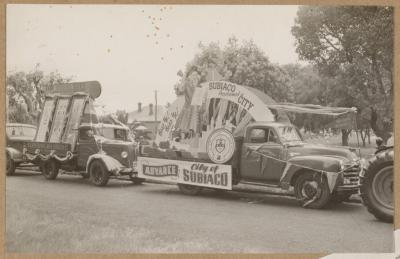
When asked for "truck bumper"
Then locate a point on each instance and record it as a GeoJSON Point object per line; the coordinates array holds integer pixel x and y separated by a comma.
{"type": "Point", "coordinates": [347, 189]}
{"type": "Point", "coordinates": [125, 171]}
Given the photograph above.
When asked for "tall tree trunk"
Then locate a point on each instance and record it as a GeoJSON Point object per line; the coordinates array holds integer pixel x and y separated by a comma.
{"type": "Point", "coordinates": [378, 76]}
{"type": "Point", "coordinates": [369, 136]}
{"type": "Point", "coordinates": [363, 134]}
{"type": "Point", "coordinates": [345, 137]}
{"type": "Point", "coordinates": [378, 130]}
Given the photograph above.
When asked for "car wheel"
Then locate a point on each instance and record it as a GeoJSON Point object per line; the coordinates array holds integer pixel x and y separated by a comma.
{"type": "Point", "coordinates": [10, 165]}
{"type": "Point", "coordinates": [189, 189]}
{"type": "Point", "coordinates": [98, 172]}
{"type": "Point", "coordinates": [50, 169]}
{"type": "Point", "coordinates": [311, 190]}
{"type": "Point", "coordinates": [377, 187]}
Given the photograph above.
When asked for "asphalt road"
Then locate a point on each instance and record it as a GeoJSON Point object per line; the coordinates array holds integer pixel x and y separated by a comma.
{"type": "Point", "coordinates": [71, 215]}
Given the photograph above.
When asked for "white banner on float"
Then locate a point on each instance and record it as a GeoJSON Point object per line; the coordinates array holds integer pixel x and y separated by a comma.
{"type": "Point", "coordinates": [168, 120]}
{"type": "Point", "coordinates": [185, 172]}
{"type": "Point", "coordinates": [240, 95]}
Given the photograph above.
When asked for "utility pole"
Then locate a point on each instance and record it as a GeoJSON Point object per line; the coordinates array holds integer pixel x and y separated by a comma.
{"type": "Point", "coordinates": [155, 111]}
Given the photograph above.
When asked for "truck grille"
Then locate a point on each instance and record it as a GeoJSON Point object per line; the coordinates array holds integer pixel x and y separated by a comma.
{"type": "Point", "coordinates": [351, 176]}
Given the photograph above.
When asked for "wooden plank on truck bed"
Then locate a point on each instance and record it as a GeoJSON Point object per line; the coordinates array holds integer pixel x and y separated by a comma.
{"type": "Point", "coordinates": [46, 147]}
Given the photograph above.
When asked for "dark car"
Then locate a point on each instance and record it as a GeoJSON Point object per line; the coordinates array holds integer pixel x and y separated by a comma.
{"type": "Point", "coordinates": [16, 135]}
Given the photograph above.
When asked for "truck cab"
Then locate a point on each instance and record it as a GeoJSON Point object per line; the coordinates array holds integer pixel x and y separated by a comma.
{"type": "Point", "coordinates": [109, 139]}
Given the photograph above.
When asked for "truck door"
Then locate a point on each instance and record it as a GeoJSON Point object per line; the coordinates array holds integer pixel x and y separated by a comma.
{"type": "Point", "coordinates": [86, 146]}
{"type": "Point", "coordinates": [256, 167]}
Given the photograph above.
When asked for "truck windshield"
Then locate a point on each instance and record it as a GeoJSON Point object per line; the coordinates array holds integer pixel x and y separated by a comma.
{"type": "Point", "coordinates": [21, 131]}
{"type": "Point", "coordinates": [288, 134]}
{"type": "Point", "coordinates": [113, 133]}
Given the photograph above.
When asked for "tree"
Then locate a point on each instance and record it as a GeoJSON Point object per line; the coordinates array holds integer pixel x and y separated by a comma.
{"type": "Point", "coordinates": [354, 47]}
{"type": "Point", "coordinates": [243, 64]}
{"type": "Point", "coordinates": [25, 93]}
{"type": "Point", "coordinates": [122, 116]}
{"type": "Point", "coordinates": [309, 87]}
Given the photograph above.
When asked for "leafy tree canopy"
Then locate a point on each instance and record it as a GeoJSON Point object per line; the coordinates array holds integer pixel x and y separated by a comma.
{"type": "Point", "coordinates": [25, 93]}
{"type": "Point", "coordinates": [353, 48]}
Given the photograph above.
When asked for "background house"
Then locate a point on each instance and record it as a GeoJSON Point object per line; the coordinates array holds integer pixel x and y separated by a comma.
{"type": "Point", "coordinates": [146, 116]}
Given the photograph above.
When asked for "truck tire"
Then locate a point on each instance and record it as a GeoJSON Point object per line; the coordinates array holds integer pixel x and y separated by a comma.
{"type": "Point", "coordinates": [98, 172]}
{"type": "Point", "coordinates": [189, 189]}
{"type": "Point", "coordinates": [307, 185]}
{"type": "Point", "coordinates": [377, 186]}
{"type": "Point", "coordinates": [10, 169]}
{"type": "Point", "coordinates": [50, 169]}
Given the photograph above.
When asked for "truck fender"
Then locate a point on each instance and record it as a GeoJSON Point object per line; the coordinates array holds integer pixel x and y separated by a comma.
{"type": "Point", "coordinates": [14, 154]}
{"type": "Point", "coordinates": [112, 165]}
{"type": "Point", "coordinates": [329, 166]}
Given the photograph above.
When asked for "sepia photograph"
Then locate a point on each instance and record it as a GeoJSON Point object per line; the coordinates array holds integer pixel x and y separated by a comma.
{"type": "Point", "coordinates": [199, 129]}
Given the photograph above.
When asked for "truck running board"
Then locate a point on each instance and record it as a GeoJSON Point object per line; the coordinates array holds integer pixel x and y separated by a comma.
{"type": "Point", "coordinates": [260, 184]}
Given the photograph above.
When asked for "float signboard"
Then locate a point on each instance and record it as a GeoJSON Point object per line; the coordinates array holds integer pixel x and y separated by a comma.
{"type": "Point", "coordinates": [216, 176]}
{"type": "Point", "coordinates": [91, 88]}
{"type": "Point", "coordinates": [190, 122]}
{"type": "Point", "coordinates": [60, 116]}
{"type": "Point", "coordinates": [45, 120]}
{"type": "Point", "coordinates": [71, 131]}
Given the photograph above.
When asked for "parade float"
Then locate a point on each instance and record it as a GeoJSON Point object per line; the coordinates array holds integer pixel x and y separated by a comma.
{"type": "Point", "coordinates": [219, 134]}
{"type": "Point", "coordinates": [70, 139]}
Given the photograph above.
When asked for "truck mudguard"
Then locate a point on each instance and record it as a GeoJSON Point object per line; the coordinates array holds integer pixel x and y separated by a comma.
{"type": "Point", "coordinates": [330, 166]}
{"type": "Point", "coordinates": [111, 164]}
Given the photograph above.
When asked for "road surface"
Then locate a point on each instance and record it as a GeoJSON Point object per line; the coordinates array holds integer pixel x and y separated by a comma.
{"type": "Point", "coordinates": [71, 215]}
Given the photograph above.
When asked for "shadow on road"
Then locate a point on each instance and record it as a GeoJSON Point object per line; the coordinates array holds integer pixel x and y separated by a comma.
{"type": "Point", "coordinates": [79, 180]}
{"type": "Point", "coordinates": [258, 198]}
{"type": "Point", "coordinates": [25, 173]}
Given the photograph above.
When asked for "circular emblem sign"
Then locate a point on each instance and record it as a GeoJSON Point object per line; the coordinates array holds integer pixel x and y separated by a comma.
{"type": "Point", "coordinates": [220, 146]}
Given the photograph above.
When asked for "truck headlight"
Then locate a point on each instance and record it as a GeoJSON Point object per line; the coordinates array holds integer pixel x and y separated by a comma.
{"type": "Point", "coordinates": [124, 154]}
{"type": "Point", "coordinates": [342, 165]}
{"type": "Point", "coordinates": [363, 163]}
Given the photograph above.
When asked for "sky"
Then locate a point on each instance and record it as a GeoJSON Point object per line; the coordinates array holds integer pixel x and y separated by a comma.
{"type": "Point", "coordinates": [133, 50]}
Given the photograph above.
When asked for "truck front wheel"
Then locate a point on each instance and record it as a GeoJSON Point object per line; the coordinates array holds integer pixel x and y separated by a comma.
{"type": "Point", "coordinates": [189, 189]}
{"type": "Point", "coordinates": [98, 172]}
{"type": "Point", "coordinates": [311, 190]}
{"type": "Point", "coordinates": [50, 169]}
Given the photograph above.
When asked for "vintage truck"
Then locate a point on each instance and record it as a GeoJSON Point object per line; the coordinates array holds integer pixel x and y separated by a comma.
{"type": "Point", "coordinates": [273, 154]}
{"type": "Point", "coordinates": [70, 137]}
{"type": "Point", "coordinates": [16, 135]}
{"type": "Point", "coordinates": [234, 145]}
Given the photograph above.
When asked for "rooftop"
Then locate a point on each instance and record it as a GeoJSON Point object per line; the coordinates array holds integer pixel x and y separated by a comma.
{"type": "Point", "coordinates": [145, 115]}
